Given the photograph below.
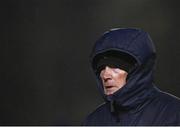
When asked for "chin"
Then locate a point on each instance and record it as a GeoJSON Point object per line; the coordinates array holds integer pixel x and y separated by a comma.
{"type": "Point", "coordinates": [109, 93]}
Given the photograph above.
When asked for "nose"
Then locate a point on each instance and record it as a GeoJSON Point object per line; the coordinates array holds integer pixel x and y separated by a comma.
{"type": "Point", "coordinates": [106, 74]}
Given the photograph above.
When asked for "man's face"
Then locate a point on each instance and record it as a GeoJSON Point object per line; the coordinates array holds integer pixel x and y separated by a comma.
{"type": "Point", "coordinates": [113, 79]}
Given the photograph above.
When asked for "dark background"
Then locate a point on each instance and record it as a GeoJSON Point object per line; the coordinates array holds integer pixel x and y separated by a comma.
{"type": "Point", "coordinates": [45, 75]}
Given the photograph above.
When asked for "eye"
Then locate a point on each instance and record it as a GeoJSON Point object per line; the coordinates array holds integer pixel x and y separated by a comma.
{"type": "Point", "coordinates": [114, 69]}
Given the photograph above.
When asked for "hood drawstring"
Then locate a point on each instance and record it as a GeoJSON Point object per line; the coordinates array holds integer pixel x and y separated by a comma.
{"type": "Point", "coordinates": [112, 106]}
{"type": "Point", "coordinates": [114, 111]}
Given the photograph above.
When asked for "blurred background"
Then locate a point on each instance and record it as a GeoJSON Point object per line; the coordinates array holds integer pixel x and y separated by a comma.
{"type": "Point", "coordinates": [45, 74]}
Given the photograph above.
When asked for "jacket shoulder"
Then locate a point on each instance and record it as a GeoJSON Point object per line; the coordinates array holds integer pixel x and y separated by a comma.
{"type": "Point", "coordinates": [169, 99]}
{"type": "Point", "coordinates": [170, 107]}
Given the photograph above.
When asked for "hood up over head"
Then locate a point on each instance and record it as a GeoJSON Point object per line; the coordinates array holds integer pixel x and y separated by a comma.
{"type": "Point", "coordinates": [127, 44]}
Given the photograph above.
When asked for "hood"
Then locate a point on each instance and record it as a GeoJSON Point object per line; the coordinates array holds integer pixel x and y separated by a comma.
{"type": "Point", "coordinates": [137, 44]}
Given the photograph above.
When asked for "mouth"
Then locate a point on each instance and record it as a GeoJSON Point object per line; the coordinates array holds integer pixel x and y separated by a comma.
{"type": "Point", "coordinates": [109, 87]}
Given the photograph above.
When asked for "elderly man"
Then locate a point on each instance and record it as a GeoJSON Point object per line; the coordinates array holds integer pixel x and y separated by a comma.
{"type": "Point", "coordinates": [123, 62]}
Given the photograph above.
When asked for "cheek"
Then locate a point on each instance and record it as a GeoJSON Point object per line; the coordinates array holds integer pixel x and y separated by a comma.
{"type": "Point", "coordinates": [119, 77]}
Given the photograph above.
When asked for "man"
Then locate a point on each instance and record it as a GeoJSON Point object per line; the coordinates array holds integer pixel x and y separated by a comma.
{"type": "Point", "coordinates": [123, 62]}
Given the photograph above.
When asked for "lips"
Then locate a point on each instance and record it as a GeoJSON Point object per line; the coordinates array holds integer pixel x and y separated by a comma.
{"type": "Point", "coordinates": [109, 87]}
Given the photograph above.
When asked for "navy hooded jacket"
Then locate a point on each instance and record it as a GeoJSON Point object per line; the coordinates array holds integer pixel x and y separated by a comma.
{"type": "Point", "coordinates": [139, 101]}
